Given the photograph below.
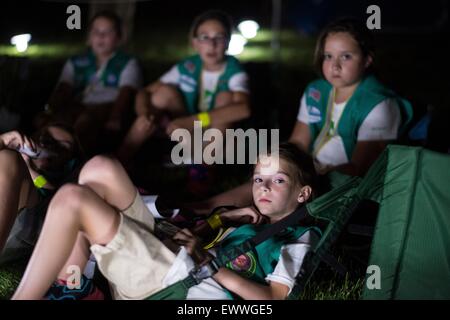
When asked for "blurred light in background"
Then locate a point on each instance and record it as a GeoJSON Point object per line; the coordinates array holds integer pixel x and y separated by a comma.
{"type": "Point", "coordinates": [21, 41]}
{"type": "Point", "coordinates": [236, 45]}
{"type": "Point", "coordinates": [248, 28]}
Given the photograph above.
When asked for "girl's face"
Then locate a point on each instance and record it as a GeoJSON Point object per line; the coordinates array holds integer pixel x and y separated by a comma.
{"type": "Point", "coordinates": [103, 37]}
{"type": "Point", "coordinates": [344, 63]}
{"type": "Point", "coordinates": [211, 42]}
{"type": "Point", "coordinates": [61, 145]}
{"type": "Point", "coordinates": [276, 193]}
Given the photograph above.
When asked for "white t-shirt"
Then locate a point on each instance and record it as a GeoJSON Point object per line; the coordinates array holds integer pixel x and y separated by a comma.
{"type": "Point", "coordinates": [382, 123]}
{"type": "Point", "coordinates": [287, 268]}
{"type": "Point", "coordinates": [96, 92]}
{"type": "Point", "coordinates": [237, 83]}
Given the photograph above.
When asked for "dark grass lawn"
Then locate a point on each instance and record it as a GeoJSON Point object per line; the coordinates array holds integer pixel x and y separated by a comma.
{"type": "Point", "coordinates": [325, 285]}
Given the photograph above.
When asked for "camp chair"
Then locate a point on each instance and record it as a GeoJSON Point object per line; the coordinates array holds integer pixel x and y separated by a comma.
{"type": "Point", "coordinates": [411, 244]}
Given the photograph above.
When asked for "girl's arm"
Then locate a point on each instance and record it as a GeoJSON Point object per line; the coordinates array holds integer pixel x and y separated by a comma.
{"type": "Point", "coordinates": [228, 218]}
{"type": "Point", "coordinates": [364, 155]}
{"type": "Point", "coordinates": [238, 109]}
{"type": "Point", "coordinates": [248, 289]}
{"type": "Point", "coordinates": [245, 288]}
{"type": "Point", "coordinates": [301, 136]}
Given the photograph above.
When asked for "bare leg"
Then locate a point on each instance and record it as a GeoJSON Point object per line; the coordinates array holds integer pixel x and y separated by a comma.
{"type": "Point", "coordinates": [74, 208]}
{"type": "Point", "coordinates": [90, 208]}
{"type": "Point", "coordinates": [93, 175]}
{"type": "Point", "coordinates": [78, 257]}
{"type": "Point", "coordinates": [16, 191]}
{"type": "Point", "coordinates": [141, 129]}
{"type": "Point", "coordinates": [149, 109]}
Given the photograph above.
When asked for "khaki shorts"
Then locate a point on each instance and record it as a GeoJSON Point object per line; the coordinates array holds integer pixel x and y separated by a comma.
{"type": "Point", "coordinates": [135, 262]}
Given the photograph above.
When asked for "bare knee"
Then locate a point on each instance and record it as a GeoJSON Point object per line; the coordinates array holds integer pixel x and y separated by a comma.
{"type": "Point", "coordinates": [165, 97]}
{"type": "Point", "coordinates": [99, 168]}
{"type": "Point", "coordinates": [141, 107]}
{"type": "Point", "coordinates": [68, 199]}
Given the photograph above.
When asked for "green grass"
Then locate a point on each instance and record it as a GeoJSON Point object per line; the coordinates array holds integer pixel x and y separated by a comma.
{"type": "Point", "coordinates": [324, 285]}
{"type": "Point", "coordinates": [9, 279]}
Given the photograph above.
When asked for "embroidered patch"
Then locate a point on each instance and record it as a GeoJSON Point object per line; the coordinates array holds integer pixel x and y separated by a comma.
{"type": "Point", "coordinates": [315, 94]}
{"type": "Point", "coordinates": [314, 114]}
{"type": "Point", "coordinates": [81, 61]}
{"type": "Point", "coordinates": [187, 84]}
{"type": "Point", "coordinates": [245, 263]}
{"type": "Point", "coordinates": [111, 79]}
{"type": "Point", "coordinates": [190, 66]}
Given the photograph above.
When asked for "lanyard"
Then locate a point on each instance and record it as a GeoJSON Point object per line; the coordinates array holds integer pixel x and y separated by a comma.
{"type": "Point", "coordinates": [329, 129]}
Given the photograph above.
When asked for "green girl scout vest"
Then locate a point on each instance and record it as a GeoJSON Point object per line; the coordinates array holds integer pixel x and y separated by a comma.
{"type": "Point", "coordinates": [85, 70]}
{"type": "Point", "coordinates": [367, 95]}
{"type": "Point", "coordinates": [261, 261]}
{"type": "Point", "coordinates": [190, 76]}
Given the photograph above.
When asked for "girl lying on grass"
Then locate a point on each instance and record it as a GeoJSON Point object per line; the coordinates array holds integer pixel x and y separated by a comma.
{"type": "Point", "coordinates": [105, 213]}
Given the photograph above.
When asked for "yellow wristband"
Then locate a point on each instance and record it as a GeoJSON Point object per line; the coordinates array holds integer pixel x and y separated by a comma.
{"type": "Point", "coordinates": [39, 182]}
{"type": "Point", "coordinates": [214, 221]}
{"type": "Point", "coordinates": [204, 118]}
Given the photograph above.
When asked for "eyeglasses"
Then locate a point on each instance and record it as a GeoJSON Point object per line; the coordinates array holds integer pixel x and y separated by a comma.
{"type": "Point", "coordinates": [203, 38]}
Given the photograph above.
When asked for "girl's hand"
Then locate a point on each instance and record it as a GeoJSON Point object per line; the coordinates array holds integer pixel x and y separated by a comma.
{"type": "Point", "coordinates": [192, 244]}
{"type": "Point", "coordinates": [322, 169]}
{"type": "Point", "coordinates": [238, 217]}
{"type": "Point", "coordinates": [180, 123]}
{"type": "Point", "coordinates": [14, 140]}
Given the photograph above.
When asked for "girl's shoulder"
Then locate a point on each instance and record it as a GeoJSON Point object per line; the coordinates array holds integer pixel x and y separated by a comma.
{"type": "Point", "coordinates": [319, 83]}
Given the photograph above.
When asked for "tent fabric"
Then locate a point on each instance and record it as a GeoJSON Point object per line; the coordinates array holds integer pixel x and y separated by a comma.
{"type": "Point", "coordinates": [411, 245]}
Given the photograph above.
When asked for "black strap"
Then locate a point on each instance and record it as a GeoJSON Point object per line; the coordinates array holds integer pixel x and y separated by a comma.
{"type": "Point", "coordinates": [292, 219]}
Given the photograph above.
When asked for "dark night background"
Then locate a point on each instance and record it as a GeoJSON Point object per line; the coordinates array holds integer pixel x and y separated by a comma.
{"type": "Point", "coordinates": [412, 55]}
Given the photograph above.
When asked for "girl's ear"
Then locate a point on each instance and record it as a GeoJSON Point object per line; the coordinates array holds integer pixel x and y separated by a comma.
{"type": "Point", "coordinates": [305, 194]}
{"type": "Point", "coordinates": [369, 61]}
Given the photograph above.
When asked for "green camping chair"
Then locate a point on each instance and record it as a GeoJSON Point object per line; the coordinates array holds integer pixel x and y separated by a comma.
{"type": "Point", "coordinates": [411, 244]}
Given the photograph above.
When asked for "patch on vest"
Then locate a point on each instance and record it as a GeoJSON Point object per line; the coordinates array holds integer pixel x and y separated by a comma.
{"type": "Point", "coordinates": [190, 66]}
{"type": "Point", "coordinates": [314, 94]}
{"type": "Point", "coordinates": [111, 79]}
{"type": "Point", "coordinates": [314, 114]}
{"type": "Point", "coordinates": [81, 61]}
{"type": "Point", "coordinates": [187, 84]}
{"type": "Point", "coordinates": [244, 264]}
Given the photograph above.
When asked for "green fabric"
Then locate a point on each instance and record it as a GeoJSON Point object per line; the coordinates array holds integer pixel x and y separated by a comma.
{"type": "Point", "coordinates": [85, 67]}
{"type": "Point", "coordinates": [261, 261]}
{"type": "Point", "coordinates": [367, 95]}
{"type": "Point", "coordinates": [412, 236]}
{"type": "Point", "coordinates": [190, 76]}
{"type": "Point", "coordinates": [176, 291]}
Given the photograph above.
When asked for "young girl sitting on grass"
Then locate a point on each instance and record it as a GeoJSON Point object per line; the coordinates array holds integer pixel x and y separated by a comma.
{"type": "Point", "coordinates": [105, 211]}
{"type": "Point", "coordinates": [209, 86]}
{"type": "Point", "coordinates": [347, 117]}
{"type": "Point", "coordinates": [96, 88]}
